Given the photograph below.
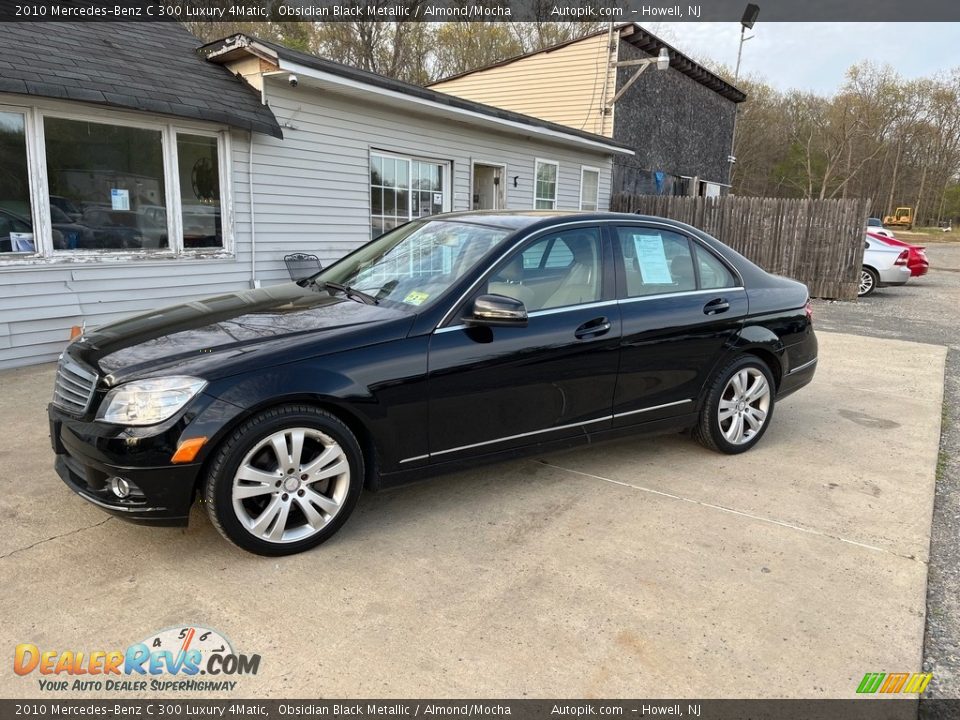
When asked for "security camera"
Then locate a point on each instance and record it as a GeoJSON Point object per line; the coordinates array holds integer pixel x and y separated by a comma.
{"type": "Point", "coordinates": [293, 81]}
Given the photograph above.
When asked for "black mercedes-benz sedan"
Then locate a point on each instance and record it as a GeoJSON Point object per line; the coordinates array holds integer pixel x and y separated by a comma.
{"type": "Point", "coordinates": [452, 339]}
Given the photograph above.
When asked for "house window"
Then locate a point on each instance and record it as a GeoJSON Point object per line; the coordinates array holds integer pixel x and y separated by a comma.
{"type": "Point", "coordinates": [198, 161]}
{"type": "Point", "coordinates": [589, 189]}
{"type": "Point", "coordinates": [404, 188]}
{"type": "Point", "coordinates": [112, 177]}
{"type": "Point", "coordinates": [545, 190]}
{"type": "Point", "coordinates": [16, 223]}
{"type": "Point", "coordinates": [81, 185]}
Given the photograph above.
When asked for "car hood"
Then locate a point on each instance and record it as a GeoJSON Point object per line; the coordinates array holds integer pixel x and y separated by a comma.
{"type": "Point", "coordinates": [204, 335]}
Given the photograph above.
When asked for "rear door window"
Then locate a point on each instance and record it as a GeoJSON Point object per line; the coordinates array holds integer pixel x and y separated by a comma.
{"type": "Point", "coordinates": [656, 261]}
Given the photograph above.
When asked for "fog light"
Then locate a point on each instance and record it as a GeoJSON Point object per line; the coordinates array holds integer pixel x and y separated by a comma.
{"type": "Point", "coordinates": [119, 487]}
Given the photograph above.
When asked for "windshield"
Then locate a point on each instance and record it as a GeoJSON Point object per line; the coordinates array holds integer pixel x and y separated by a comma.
{"type": "Point", "coordinates": [416, 263]}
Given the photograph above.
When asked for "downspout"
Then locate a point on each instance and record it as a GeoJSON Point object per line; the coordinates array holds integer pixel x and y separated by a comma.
{"type": "Point", "coordinates": [254, 283]}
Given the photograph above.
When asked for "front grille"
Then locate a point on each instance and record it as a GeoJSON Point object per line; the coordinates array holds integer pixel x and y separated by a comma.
{"type": "Point", "coordinates": [74, 388]}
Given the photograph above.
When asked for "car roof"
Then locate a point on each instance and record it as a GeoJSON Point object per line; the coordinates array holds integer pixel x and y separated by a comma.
{"type": "Point", "coordinates": [520, 219]}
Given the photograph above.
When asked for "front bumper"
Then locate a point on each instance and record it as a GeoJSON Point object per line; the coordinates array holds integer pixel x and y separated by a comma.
{"type": "Point", "coordinates": [156, 506]}
{"type": "Point", "coordinates": [88, 454]}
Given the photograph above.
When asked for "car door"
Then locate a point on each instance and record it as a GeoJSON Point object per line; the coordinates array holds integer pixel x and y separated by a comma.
{"type": "Point", "coordinates": [496, 388]}
{"type": "Point", "coordinates": [681, 304]}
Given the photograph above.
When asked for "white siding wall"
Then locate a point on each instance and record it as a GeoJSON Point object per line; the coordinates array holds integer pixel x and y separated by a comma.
{"type": "Point", "coordinates": [40, 301]}
{"type": "Point", "coordinates": [312, 189]}
{"type": "Point", "coordinates": [311, 194]}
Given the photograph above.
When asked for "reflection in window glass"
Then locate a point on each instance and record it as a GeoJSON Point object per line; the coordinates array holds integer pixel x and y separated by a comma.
{"type": "Point", "coordinates": [16, 224]}
{"type": "Point", "coordinates": [416, 264]}
{"type": "Point", "coordinates": [108, 181]}
{"type": "Point", "coordinates": [199, 192]}
{"type": "Point", "coordinates": [713, 273]}
{"type": "Point", "coordinates": [546, 186]}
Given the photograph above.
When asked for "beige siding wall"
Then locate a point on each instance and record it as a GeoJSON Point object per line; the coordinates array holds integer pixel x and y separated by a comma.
{"type": "Point", "coordinates": [564, 86]}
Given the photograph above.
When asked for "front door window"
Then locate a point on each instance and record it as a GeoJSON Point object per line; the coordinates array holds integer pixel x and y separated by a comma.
{"type": "Point", "coordinates": [558, 270]}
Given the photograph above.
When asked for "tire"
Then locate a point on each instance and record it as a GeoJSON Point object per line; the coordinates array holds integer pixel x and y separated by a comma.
{"type": "Point", "coordinates": [868, 281]}
{"type": "Point", "coordinates": [249, 494]}
{"type": "Point", "coordinates": [754, 415]}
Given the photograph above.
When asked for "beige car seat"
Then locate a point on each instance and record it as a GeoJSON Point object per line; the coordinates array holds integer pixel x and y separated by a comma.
{"type": "Point", "coordinates": [509, 282]}
{"type": "Point", "coordinates": [582, 282]}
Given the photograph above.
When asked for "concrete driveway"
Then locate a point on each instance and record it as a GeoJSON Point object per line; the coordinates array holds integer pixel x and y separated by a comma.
{"type": "Point", "coordinates": [639, 568]}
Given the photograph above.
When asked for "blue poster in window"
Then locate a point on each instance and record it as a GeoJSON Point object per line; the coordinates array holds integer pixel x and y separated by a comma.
{"type": "Point", "coordinates": [652, 259]}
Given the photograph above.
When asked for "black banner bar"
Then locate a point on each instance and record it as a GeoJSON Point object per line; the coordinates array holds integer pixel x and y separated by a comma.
{"type": "Point", "coordinates": [642, 11]}
{"type": "Point", "coordinates": [867, 708]}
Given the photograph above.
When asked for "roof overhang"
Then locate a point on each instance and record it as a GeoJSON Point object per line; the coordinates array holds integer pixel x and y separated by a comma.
{"type": "Point", "coordinates": [640, 38]}
{"type": "Point", "coordinates": [347, 86]}
{"type": "Point", "coordinates": [239, 46]}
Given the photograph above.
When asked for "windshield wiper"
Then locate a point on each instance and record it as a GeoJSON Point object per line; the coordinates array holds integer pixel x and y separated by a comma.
{"type": "Point", "coordinates": [350, 292]}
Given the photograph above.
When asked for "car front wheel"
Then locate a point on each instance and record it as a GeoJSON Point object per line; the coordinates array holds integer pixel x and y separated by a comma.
{"type": "Point", "coordinates": [284, 481]}
{"type": "Point", "coordinates": [868, 281]}
{"type": "Point", "coordinates": [738, 407]}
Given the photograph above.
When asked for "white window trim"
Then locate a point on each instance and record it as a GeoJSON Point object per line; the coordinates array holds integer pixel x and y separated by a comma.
{"type": "Point", "coordinates": [583, 170]}
{"type": "Point", "coordinates": [537, 162]}
{"type": "Point", "coordinates": [32, 179]}
{"type": "Point", "coordinates": [34, 116]}
{"type": "Point", "coordinates": [410, 158]}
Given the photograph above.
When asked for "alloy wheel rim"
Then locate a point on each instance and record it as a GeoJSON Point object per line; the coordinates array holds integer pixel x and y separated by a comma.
{"type": "Point", "coordinates": [866, 282]}
{"type": "Point", "coordinates": [291, 485]}
{"type": "Point", "coordinates": [744, 406]}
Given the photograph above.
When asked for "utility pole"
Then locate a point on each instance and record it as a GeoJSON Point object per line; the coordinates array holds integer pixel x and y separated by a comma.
{"type": "Point", "coordinates": [747, 22]}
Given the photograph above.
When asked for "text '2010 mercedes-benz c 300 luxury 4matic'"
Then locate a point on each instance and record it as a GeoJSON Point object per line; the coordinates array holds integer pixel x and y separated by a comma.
{"type": "Point", "coordinates": [449, 340]}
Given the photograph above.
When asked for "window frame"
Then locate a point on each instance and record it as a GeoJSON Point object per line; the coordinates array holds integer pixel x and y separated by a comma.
{"type": "Point", "coordinates": [584, 169]}
{"type": "Point", "coordinates": [35, 116]}
{"type": "Point", "coordinates": [410, 158]}
{"type": "Point", "coordinates": [28, 121]}
{"type": "Point", "coordinates": [537, 162]}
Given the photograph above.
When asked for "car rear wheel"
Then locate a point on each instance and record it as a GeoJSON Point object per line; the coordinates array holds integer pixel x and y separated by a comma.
{"type": "Point", "coordinates": [868, 281]}
{"type": "Point", "coordinates": [284, 481]}
{"type": "Point", "coordinates": [738, 408]}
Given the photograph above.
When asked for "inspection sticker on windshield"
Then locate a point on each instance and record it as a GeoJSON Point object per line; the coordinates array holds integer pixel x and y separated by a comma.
{"type": "Point", "coordinates": [416, 297]}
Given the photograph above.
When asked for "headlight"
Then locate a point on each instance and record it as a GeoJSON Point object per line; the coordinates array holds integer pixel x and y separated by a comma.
{"type": "Point", "coordinates": [147, 402]}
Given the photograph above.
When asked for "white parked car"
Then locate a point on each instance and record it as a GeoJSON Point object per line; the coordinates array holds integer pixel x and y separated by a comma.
{"type": "Point", "coordinates": [883, 266]}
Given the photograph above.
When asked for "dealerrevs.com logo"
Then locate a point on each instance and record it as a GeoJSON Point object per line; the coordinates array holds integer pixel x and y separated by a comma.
{"type": "Point", "coordinates": [191, 659]}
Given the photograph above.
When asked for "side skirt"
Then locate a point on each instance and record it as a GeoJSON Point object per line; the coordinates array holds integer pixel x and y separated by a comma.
{"type": "Point", "coordinates": [663, 426]}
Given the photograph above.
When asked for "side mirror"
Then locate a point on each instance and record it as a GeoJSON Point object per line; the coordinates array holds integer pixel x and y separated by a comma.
{"type": "Point", "coordinates": [497, 311]}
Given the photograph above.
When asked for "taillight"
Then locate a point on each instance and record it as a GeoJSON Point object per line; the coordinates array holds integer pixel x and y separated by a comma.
{"type": "Point", "coordinates": [808, 310]}
{"type": "Point", "coordinates": [902, 260]}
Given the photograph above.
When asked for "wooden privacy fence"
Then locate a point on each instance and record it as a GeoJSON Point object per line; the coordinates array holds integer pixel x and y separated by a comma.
{"type": "Point", "coordinates": [818, 242]}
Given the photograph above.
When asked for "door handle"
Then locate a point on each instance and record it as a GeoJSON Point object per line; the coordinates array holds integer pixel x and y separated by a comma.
{"type": "Point", "coordinates": [593, 328]}
{"type": "Point", "coordinates": [716, 306]}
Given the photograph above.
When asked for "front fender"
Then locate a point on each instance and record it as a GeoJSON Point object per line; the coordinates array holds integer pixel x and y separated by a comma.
{"type": "Point", "coordinates": [380, 392]}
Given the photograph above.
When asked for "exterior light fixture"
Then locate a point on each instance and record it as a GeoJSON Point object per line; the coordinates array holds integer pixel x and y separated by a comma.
{"type": "Point", "coordinates": [663, 59]}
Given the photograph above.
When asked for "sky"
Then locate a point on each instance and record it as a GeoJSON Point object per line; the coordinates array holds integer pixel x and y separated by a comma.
{"type": "Point", "coordinates": [815, 56]}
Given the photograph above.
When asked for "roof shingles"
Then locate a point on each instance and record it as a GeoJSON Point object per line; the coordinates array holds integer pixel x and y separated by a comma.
{"type": "Point", "coordinates": [150, 67]}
